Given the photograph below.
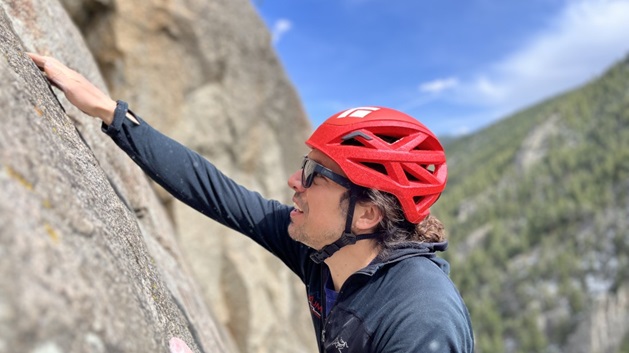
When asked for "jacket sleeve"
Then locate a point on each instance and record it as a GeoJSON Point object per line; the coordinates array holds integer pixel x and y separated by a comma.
{"type": "Point", "coordinates": [198, 183]}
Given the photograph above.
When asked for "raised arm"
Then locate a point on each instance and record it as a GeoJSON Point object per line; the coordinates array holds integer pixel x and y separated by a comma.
{"type": "Point", "coordinates": [79, 91]}
{"type": "Point", "coordinates": [184, 173]}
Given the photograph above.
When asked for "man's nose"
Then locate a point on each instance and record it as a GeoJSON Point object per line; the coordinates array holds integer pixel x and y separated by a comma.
{"type": "Point", "coordinates": [294, 181]}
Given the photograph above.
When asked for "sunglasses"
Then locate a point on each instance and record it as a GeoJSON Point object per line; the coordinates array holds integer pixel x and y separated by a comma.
{"type": "Point", "coordinates": [310, 169]}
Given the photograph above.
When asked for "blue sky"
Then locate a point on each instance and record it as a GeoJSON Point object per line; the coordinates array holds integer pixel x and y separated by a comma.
{"type": "Point", "coordinates": [456, 65]}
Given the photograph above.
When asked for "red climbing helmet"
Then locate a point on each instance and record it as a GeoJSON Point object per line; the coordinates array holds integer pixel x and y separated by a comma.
{"type": "Point", "coordinates": [387, 150]}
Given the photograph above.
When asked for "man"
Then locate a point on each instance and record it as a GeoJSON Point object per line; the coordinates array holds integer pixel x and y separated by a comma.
{"type": "Point", "coordinates": [359, 234]}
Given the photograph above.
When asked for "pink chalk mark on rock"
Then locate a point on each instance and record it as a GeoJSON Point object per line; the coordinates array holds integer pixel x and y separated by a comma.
{"type": "Point", "coordinates": [178, 346]}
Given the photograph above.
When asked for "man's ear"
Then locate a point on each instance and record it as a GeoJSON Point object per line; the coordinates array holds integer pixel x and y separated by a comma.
{"type": "Point", "coordinates": [366, 217]}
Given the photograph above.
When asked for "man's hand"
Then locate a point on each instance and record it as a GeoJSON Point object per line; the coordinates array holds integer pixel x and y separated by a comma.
{"type": "Point", "coordinates": [79, 91]}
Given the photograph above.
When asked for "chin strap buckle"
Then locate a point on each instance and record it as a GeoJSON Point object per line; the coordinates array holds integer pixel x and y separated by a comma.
{"type": "Point", "coordinates": [328, 250]}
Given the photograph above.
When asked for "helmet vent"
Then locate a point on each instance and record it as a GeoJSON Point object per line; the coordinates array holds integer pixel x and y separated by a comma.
{"type": "Point", "coordinates": [352, 142]}
{"type": "Point", "coordinates": [380, 168]}
{"type": "Point", "coordinates": [388, 138]}
{"type": "Point", "coordinates": [431, 168]}
{"type": "Point", "coordinates": [410, 176]}
{"type": "Point", "coordinates": [376, 167]}
{"type": "Point", "coordinates": [426, 145]}
{"type": "Point", "coordinates": [353, 135]}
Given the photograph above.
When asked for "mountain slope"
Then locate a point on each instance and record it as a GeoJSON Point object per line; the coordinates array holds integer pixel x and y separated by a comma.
{"type": "Point", "coordinates": [537, 208]}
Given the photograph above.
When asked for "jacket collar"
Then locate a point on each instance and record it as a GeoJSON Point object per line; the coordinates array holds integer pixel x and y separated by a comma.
{"type": "Point", "coordinates": [406, 250]}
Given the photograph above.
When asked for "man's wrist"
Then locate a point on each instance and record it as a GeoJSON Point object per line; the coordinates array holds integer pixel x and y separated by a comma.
{"type": "Point", "coordinates": [106, 112]}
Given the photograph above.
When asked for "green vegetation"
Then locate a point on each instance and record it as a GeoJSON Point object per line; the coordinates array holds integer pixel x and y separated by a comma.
{"type": "Point", "coordinates": [536, 208]}
{"type": "Point", "coordinates": [624, 346]}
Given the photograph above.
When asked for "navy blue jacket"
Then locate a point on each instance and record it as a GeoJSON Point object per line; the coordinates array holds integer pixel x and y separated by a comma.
{"type": "Point", "coordinates": [404, 303]}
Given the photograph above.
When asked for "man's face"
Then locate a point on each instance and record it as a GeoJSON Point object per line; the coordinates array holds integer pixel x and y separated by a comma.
{"type": "Point", "coordinates": [318, 218]}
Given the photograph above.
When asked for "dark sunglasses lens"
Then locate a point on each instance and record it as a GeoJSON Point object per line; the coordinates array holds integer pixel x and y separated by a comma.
{"type": "Point", "coordinates": [307, 173]}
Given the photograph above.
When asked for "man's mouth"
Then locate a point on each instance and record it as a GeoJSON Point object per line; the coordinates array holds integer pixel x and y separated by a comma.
{"type": "Point", "coordinates": [296, 203]}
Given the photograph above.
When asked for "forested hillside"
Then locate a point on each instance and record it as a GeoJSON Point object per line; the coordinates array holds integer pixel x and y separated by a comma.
{"type": "Point", "coordinates": [536, 209]}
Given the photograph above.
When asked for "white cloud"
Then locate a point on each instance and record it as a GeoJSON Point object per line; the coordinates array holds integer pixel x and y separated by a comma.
{"type": "Point", "coordinates": [280, 27]}
{"type": "Point", "coordinates": [583, 40]}
{"type": "Point", "coordinates": [439, 85]}
{"type": "Point", "coordinates": [430, 92]}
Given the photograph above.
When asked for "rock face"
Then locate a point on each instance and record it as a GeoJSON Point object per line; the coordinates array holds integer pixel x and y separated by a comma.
{"type": "Point", "coordinates": [204, 72]}
{"type": "Point", "coordinates": [91, 260]}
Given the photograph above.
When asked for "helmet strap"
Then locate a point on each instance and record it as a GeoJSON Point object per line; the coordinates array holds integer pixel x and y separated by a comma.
{"type": "Point", "coordinates": [347, 238]}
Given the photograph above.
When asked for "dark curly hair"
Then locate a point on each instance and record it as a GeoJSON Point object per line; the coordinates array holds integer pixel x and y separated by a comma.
{"type": "Point", "coordinates": [394, 226]}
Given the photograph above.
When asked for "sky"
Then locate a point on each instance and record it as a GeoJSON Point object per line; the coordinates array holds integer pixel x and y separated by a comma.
{"type": "Point", "coordinates": [455, 65]}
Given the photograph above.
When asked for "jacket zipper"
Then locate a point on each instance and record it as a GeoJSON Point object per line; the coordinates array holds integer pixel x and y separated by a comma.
{"type": "Point", "coordinates": [338, 298]}
{"type": "Point", "coordinates": [324, 302]}
{"type": "Point", "coordinates": [323, 308]}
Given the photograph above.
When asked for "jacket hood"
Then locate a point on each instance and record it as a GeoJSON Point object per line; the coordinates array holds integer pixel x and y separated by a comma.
{"type": "Point", "coordinates": [422, 247]}
{"type": "Point", "coordinates": [405, 250]}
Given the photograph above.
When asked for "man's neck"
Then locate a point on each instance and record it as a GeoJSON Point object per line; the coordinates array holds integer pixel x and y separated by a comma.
{"type": "Point", "coordinates": [350, 259]}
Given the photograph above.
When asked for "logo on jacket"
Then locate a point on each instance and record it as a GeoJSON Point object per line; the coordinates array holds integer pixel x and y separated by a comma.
{"type": "Point", "coordinates": [340, 344]}
{"type": "Point", "coordinates": [315, 306]}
